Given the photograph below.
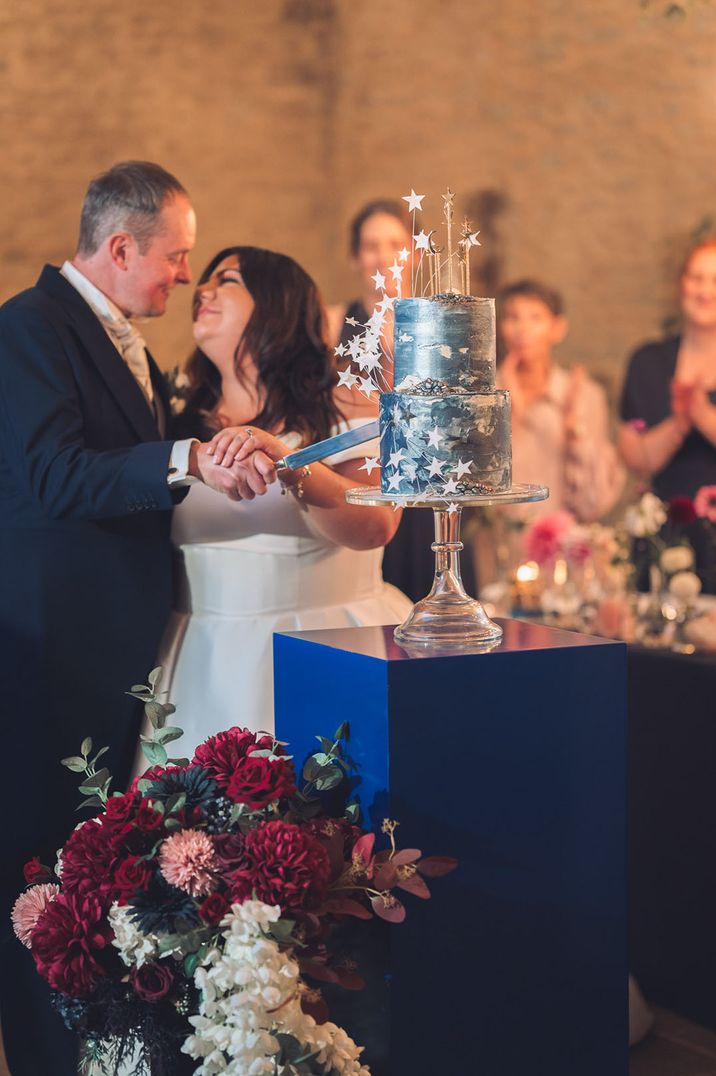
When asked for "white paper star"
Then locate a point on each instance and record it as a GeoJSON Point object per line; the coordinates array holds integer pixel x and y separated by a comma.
{"type": "Point", "coordinates": [394, 480]}
{"type": "Point", "coordinates": [462, 467]}
{"type": "Point", "coordinates": [396, 270]}
{"type": "Point", "coordinates": [395, 414]}
{"type": "Point", "coordinates": [345, 377]}
{"type": "Point", "coordinates": [435, 437]}
{"type": "Point", "coordinates": [378, 278]}
{"type": "Point", "coordinates": [414, 201]}
{"type": "Point", "coordinates": [421, 240]}
{"type": "Point", "coordinates": [452, 508]}
{"type": "Point", "coordinates": [410, 470]}
{"type": "Point", "coordinates": [366, 386]}
{"type": "Point", "coordinates": [403, 254]}
{"type": "Point", "coordinates": [371, 462]}
{"type": "Point", "coordinates": [352, 321]}
{"type": "Point", "coordinates": [450, 486]}
{"type": "Point", "coordinates": [339, 350]}
{"type": "Point", "coordinates": [386, 303]}
{"type": "Point", "coordinates": [354, 346]}
{"type": "Point", "coordinates": [436, 467]}
{"type": "Point", "coordinates": [396, 457]}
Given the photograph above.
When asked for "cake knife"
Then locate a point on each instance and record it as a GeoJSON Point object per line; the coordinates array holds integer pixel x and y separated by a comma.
{"type": "Point", "coordinates": [331, 445]}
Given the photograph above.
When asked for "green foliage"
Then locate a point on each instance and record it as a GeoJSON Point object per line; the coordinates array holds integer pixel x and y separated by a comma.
{"type": "Point", "coordinates": [156, 712]}
{"type": "Point", "coordinates": [324, 770]}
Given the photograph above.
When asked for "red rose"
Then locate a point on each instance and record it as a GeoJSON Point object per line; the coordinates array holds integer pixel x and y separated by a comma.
{"type": "Point", "coordinates": [213, 909]}
{"type": "Point", "coordinates": [34, 871]}
{"type": "Point", "coordinates": [122, 809]}
{"type": "Point", "coordinates": [283, 865]}
{"type": "Point", "coordinates": [70, 944]}
{"type": "Point", "coordinates": [259, 781]}
{"type": "Point", "coordinates": [132, 873]}
{"type": "Point", "coordinates": [148, 819]}
{"type": "Point", "coordinates": [681, 511]}
{"type": "Point", "coordinates": [152, 982]}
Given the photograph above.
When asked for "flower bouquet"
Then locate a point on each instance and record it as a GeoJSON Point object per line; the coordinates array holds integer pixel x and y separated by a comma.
{"type": "Point", "coordinates": [187, 926]}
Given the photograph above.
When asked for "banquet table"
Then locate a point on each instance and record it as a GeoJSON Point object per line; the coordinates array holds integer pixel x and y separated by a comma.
{"type": "Point", "coordinates": [672, 829]}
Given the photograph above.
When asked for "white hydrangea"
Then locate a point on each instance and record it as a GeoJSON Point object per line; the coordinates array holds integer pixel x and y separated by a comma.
{"type": "Point", "coordinates": [134, 946]}
{"type": "Point", "coordinates": [249, 992]}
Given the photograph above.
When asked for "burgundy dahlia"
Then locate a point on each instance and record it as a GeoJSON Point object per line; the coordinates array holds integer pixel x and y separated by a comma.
{"type": "Point", "coordinates": [89, 859]}
{"type": "Point", "coordinates": [283, 865]}
{"type": "Point", "coordinates": [70, 943]}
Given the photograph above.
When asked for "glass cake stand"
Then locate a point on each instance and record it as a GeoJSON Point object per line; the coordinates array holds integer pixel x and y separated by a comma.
{"type": "Point", "coordinates": [448, 618]}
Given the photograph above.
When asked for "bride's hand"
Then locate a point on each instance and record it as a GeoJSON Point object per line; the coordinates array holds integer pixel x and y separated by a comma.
{"type": "Point", "coordinates": [238, 443]}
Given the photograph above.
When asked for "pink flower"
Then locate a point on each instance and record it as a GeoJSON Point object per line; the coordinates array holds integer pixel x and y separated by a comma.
{"type": "Point", "coordinates": [705, 503]}
{"type": "Point", "coordinates": [543, 539]}
{"type": "Point", "coordinates": [28, 908]}
{"type": "Point", "coordinates": [187, 860]}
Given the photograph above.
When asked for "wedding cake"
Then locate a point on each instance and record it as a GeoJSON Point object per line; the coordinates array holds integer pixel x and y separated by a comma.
{"type": "Point", "coordinates": [445, 429]}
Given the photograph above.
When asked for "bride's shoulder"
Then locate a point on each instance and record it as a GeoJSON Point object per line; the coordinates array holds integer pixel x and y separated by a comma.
{"type": "Point", "coordinates": [353, 404]}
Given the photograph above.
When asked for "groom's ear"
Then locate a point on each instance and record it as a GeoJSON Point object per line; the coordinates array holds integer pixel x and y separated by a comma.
{"type": "Point", "coordinates": [120, 247]}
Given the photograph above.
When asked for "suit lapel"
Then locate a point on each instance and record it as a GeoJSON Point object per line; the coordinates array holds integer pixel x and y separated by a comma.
{"type": "Point", "coordinates": [113, 369]}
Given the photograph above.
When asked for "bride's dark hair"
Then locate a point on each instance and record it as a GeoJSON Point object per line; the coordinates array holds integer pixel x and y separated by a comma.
{"type": "Point", "coordinates": [285, 337]}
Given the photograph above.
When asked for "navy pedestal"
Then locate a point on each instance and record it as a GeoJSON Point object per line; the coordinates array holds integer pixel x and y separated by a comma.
{"type": "Point", "coordinates": [514, 762]}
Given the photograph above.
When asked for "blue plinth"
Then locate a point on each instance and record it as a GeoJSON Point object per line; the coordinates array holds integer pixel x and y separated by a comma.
{"type": "Point", "coordinates": [513, 761]}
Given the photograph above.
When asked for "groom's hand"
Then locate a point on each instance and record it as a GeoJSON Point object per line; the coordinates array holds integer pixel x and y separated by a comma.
{"type": "Point", "coordinates": [242, 481]}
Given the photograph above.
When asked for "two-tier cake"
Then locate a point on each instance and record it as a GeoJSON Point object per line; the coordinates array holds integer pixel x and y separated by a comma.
{"type": "Point", "coordinates": [445, 428]}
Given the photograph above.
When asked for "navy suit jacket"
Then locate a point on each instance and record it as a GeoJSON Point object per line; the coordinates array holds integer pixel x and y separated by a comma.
{"type": "Point", "coordinates": [85, 557]}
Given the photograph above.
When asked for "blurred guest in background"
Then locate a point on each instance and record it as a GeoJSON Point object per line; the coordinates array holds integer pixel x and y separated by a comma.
{"type": "Point", "coordinates": [560, 418]}
{"type": "Point", "coordinates": [378, 233]}
{"type": "Point", "coordinates": [668, 404]}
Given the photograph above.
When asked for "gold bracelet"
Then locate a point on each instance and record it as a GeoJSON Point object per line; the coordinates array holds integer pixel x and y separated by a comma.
{"type": "Point", "coordinates": [296, 487]}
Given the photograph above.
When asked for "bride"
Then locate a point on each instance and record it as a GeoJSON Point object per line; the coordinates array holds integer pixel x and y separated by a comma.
{"type": "Point", "coordinates": [297, 558]}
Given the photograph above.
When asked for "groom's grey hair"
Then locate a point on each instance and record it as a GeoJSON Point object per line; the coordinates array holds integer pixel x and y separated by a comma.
{"type": "Point", "coordinates": [128, 197]}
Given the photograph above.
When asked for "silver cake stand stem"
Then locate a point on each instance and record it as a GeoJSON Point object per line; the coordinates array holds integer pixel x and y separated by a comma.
{"type": "Point", "coordinates": [447, 617]}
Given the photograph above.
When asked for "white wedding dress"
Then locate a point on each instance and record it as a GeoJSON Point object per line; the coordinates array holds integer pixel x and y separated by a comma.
{"type": "Point", "coordinates": [249, 569]}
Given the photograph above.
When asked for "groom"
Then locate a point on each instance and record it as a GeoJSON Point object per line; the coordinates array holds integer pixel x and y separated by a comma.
{"type": "Point", "coordinates": [89, 473]}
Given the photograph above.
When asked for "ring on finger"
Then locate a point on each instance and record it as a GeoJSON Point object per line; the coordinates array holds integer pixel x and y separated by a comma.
{"type": "Point", "coordinates": [249, 433]}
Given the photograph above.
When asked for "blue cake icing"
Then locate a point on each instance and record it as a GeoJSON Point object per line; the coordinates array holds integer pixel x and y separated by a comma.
{"type": "Point", "coordinates": [445, 428]}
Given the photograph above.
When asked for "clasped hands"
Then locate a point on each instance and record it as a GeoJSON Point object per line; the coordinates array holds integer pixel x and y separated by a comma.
{"type": "Point", "coordinates": [690, 404]}
{"type": "Point", "coordinates": [239, 462]}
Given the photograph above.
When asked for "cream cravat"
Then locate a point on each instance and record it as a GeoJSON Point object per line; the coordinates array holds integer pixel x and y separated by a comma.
{"type": "Point", "coordinates": [133, 349]}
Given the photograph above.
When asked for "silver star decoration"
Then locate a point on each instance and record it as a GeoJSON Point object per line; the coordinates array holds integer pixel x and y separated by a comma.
{"type": "Point", "coordinates": [379, 279]}
{"type": "Point", "coordinates": [366, 386]}
{"type": "Point", "coordinates": [450, 486]}
{"type": "Point", "coordinates": [452, 508]}
{"type": "Point", "coordinates": [403, 254]}
{"type": "Point", "coordinates": [396, 457]}
{"type": "Point", "coordinates": [435, 437]}
{"type": "Point", "coordinates": [352, 321]}
{"type": "Point", "coordinates": [345, 377]}
{"type": "Point", "coordinates": [386, 303]}
{"type": "Point", "coordinates": [436, 467]}
{"type": "Point", "coordinates": [396, 270]}
{"type": "Point", "coordinates": [422, 241]}
{"type": "Point", "coordinates": [371, 462]}
{"type": "Point", "coordinates": [414, 201]}
{"type": "Point", "coordinates": [394, 480]}
{"type": "Point", "coordinates": [462, 467]}
{"type": "Point", "coordinates": [340, 349]}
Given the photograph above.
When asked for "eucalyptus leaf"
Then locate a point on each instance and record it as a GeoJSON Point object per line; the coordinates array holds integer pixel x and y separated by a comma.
{"type": "Point", "coordinates": [86, 746]}
{"type": "Point", "coordinates": [155, 753]}
{"type": "Point", "coordinates": [178, 761]}
{"type": "Point", "coordinates": [102, 751]}
{"type": "Point", "coordinates": [96, 780]}
{"type": "Point", "coordinates": [330, 780]}
{"type": "Point", "coordinates": [172, 823]}
{"type": "Point", "coordinates": [168, 733]}
{"type": "Point", "coordinates": [144, 696]}
{"type": "Point", "coordinates": [155, 713]}
{"type": "Point", "coordinates": [322, 758]}
{"type": "Point", "coordinates": [343, 732]}
{"type": "Point", "coordinates": [92, 801]}
{"type": "Point", "coordinates": [175, 802]}
{"type": "Point", "coordinates": [144, 785]}
{"type": "Point", "coordinates": [155, 676]}
{"type": "Point", "coordinates": [311, 768]}
{"type": "Point", "coordinates": [135, 688]}
{"type": "Point", "coordinates": [75, 763]}
{"type": "Point", "coordinates": [191, 963]}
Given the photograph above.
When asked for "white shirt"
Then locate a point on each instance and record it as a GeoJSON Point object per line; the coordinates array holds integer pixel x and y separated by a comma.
{"type": "Point", "coordinates": [110, 314]}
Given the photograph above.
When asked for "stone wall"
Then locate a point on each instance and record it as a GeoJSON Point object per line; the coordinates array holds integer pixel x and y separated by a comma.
{"type": "Point", "coordinates": [578, 136]}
